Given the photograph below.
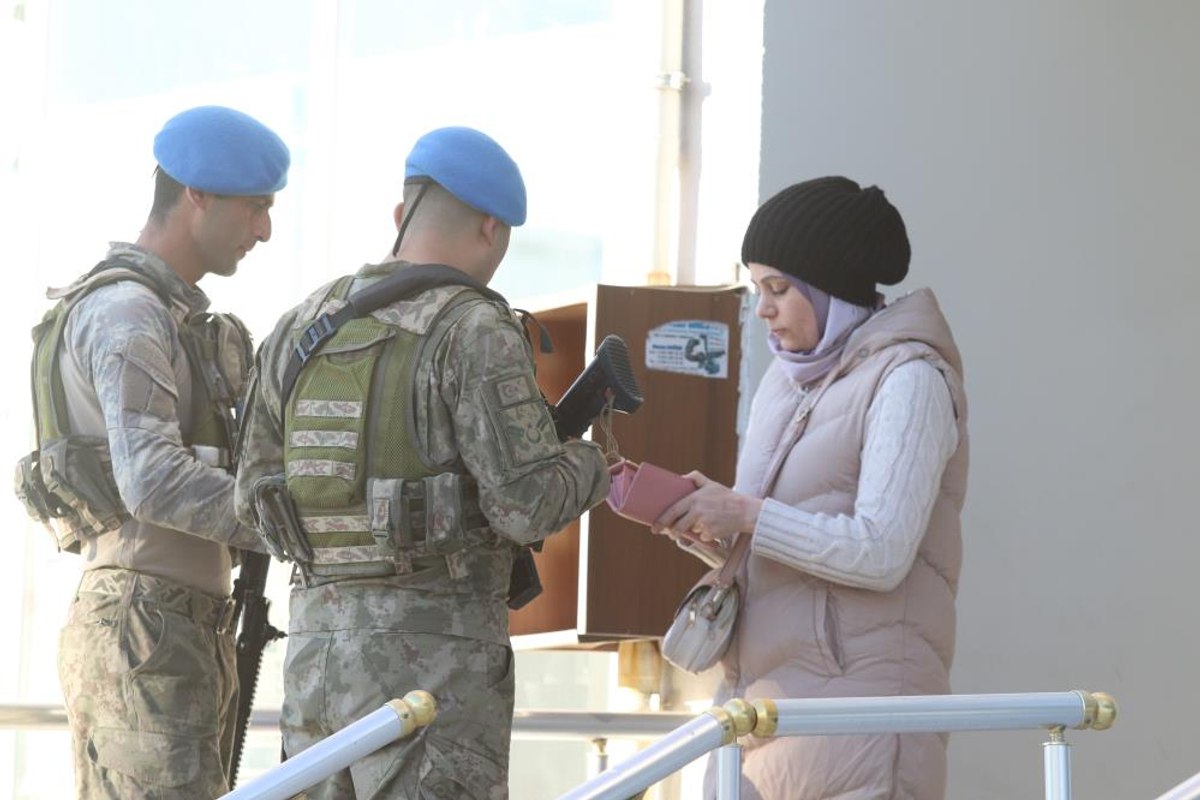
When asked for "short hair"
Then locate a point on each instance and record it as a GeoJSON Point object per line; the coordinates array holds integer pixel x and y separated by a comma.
{"type": "Point", "coordinates": [167, 192]}
{"type": "Point", "coordinates": [434, 205]}
{"type": "Point", "coordinates": [433, 208]}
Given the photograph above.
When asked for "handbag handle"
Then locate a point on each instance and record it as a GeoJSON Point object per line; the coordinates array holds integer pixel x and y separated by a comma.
{"type": "Point", "coordinates": [729, 570]}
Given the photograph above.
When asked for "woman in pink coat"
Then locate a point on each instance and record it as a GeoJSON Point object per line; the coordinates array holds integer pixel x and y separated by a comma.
{"type": "Point", "coordinates": [850, 482]}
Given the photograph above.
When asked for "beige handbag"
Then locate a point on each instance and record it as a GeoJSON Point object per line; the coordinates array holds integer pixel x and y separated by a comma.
{"type": "Point", "coordinates": [703, 624]}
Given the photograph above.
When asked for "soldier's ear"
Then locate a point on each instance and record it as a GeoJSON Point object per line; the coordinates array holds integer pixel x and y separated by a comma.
{"type": "Point", "coordinates": [197, 198]}
{"type": "Point", "coordinates": [490, 229]}
{"type": "Point", "coordinates": [398, 214]}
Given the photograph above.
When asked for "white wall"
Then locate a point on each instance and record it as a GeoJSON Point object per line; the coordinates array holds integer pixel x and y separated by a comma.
{"type": "Point", "coordinates": [1045, 158]}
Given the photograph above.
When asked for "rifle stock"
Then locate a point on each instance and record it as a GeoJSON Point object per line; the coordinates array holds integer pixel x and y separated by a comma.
{"type": "Point", "coordinates": [607, 379]}
{"type": "Point", "coordinates": [251, 606]}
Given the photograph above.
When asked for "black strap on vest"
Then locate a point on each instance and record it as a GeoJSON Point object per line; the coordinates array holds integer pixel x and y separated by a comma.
{"type": "Point", "coordinates": [404, 283]}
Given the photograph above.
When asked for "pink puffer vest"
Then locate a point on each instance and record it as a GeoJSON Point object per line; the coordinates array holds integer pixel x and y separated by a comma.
{"type": "Point", "coordinates": [801, 636]}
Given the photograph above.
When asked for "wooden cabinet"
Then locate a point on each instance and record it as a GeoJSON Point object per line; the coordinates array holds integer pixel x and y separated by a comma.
{"type": "Point", "coordinates": [605, 578]}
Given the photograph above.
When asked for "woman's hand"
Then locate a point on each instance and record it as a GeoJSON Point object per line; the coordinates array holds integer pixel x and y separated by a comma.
{"type": "Point", "coordinates": [710, 513]}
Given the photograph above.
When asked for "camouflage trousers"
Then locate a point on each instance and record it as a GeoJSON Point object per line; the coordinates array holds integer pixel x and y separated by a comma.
{"type": "Point", "coordinates": [333, 678]}
{"type": "Point", "coordinates": [148, 676]}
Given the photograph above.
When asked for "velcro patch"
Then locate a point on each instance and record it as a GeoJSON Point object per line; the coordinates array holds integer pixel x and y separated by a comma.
{"type": "Point", "coordinates": [513, 391]}
{"type": "Point", "coordinates": [346, 409]}
{"type": "Point", "coordinates": [345, 439]}
{"type": "Point", "coordinates": [319, 468]}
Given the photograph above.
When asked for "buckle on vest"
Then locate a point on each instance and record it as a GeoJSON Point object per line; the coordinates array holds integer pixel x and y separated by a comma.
{"type": "Point", "coordinates": [218, 457]}
{"type": "Point", "coordinates": [316, 334]}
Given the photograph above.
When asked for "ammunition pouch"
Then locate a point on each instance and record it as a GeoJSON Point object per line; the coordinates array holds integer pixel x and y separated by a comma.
{"type": "Point", "coordinates": [406, 520]}
{"type": "Point", "coordinates": [440, 516]}
{"type": "Point", "coordinates": [279, 524]}
{"type": "Point", "coordinates": [31, 490]}
{"type": "Point", "coordinates": [435, 515]}
{"type": "Point", "coordinates": [68, 486]}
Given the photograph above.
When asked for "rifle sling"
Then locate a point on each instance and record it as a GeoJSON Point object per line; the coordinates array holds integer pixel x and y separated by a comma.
{"type": "Point", "coordinates": [407, 282]}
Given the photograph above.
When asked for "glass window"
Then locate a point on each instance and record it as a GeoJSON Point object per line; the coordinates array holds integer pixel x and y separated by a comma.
{"type": "Point", "coordinates": [566, 88]}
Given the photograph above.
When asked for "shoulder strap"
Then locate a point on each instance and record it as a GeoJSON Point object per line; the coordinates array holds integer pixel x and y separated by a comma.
{"type": "Point", "coordinates": [793, 433]}
{"type": "Point", "coordinates": [733, 563]}
{"type": "Point", "coordinates": [741, 546]}
{"type": "Point", "coordinates": [406, 282]}
{"type": "Point", "coordinates": [45, 367]}
{"type": "Point", "coordinates": [109, 271]}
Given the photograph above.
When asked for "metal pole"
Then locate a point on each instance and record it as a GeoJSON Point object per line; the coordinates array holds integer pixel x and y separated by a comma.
{"type": "Point", "coordinates": [729, 772]}
{"type": "Point", "coordinates": [943, 713]}
{"type": "Point", "coordinates": [394, 720]}
{"type": "Point", "coordinates": [1188, 790]}
{"type": "Point", "coordinates": [558, 725]}
{"type": "Point", "coordinates": [598, 757]}
{"type": "Point", "coordinates": [667, 755]}
{"type": "Point", "coordinates": [1056, 755]}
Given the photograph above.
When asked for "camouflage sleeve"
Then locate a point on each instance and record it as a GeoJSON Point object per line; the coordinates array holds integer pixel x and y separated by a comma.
{"type": "Point", "coordinates": [261, 446]}
{"type": "Point", "coordinates": [123, 338]}
{"type": "Point", "coordinates": [530, 483]}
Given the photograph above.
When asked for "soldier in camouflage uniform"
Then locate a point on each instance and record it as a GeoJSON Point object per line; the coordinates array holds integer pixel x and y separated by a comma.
{"type": "Point", "coordinates": [146, 658]}
{"type": "Point", "coordinates": [388, 602]}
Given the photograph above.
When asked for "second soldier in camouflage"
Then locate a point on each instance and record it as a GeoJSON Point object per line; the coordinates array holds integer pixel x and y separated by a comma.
{"type": "Point", "coordinates": [418, 456]}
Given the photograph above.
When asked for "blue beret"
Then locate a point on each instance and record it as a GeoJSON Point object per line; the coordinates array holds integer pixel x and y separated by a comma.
{"type": "Point", "coordinates": [472, 167]}
{"type": "Point", "coordinates": [219, 150]}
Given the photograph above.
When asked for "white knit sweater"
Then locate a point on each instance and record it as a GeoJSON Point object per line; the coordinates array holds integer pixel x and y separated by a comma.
{"type": "Point", "coordinates": [910, 436]}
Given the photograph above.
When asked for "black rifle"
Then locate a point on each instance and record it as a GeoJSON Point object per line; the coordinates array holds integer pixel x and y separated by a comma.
{"type": "Point", "coordinates": [251, 607]}
{"type": "Point", "coordinates": [607, 381]}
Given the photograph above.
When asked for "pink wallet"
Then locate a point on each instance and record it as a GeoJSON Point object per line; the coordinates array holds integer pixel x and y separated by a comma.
{"type": "Point", "coordinates": [643, 492]}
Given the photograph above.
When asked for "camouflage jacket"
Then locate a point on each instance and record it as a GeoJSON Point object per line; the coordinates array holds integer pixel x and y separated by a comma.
{"type": "Point", "coordinates": [127, 377]}
{"type": "Point", "coordinates": [469, 409]}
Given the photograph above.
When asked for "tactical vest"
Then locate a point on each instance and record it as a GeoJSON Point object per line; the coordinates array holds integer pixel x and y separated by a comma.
{"type": "Point", "coordinates": [360, 499]}
{"type": "Point", "coordinates": [67, 482]}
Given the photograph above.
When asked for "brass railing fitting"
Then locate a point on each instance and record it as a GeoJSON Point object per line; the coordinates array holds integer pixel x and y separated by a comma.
{"type": "Point", "coordinates": [1099, 711]}
{"type": "Point", "coordinates": [766, 717]}
{"type": "Point", "coordinates": [417, 709]}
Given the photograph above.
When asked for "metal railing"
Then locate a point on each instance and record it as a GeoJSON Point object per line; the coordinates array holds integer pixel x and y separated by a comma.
{"type": "Point", "coordinates": [685, 737]}
{"type": "Point", "coordinates": [720, 727]}
{"type": "Point", "coordinates": [1188, 790]}
{"type": "Point", "coordinates": [596, 727]}
{"type": "Point", "coordinates": [394, 720]}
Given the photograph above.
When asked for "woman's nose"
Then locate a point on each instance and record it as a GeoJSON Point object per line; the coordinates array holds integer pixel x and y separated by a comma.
{"type": "Point", "coordinates": [765, 307]}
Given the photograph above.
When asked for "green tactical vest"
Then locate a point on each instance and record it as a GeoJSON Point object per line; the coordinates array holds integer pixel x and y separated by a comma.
{"type": "Point", "coordinates": [365, 500]}
{"type": "Point", "coordinates": [67, 482]}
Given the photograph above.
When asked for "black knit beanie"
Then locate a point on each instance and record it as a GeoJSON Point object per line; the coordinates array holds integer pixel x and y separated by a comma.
{"type": "Point", "coordinates": [833, 234]}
